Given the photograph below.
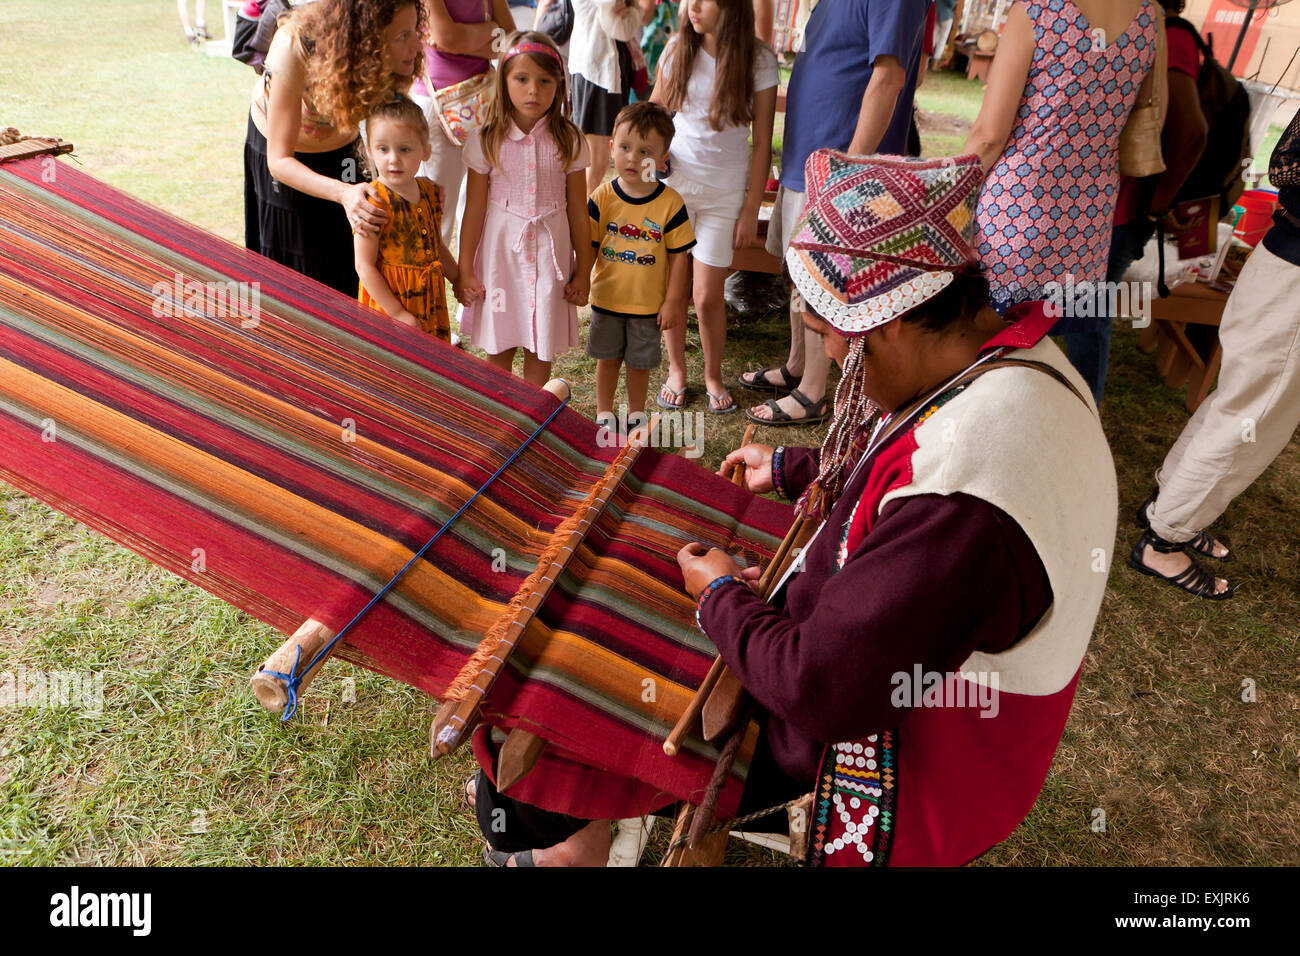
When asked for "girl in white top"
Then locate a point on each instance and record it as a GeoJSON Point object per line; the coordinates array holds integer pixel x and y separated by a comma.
{"type": "Point", "coordinates": [721, 81]}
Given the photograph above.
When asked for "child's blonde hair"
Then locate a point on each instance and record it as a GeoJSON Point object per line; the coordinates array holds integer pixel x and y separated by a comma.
{"type": "Point", "coordinates": [567, 135]}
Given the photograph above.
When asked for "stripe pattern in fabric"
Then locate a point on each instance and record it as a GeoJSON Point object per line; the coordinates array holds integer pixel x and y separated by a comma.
{"type": "Point", "coordinates": [286, 449]}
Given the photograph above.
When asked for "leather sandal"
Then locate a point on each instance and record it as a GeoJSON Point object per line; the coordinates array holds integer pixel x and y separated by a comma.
{"type": "Point", "coordinates": [1203, 544]}
{"type": "Point", "coordinates": [1194, 579]}
{"type": "Point", "coordinates": [758, 381]}
{"type": "Point", "coordinates": [498, 859]}
{"type": "Point", "coordinates": [816, 411]}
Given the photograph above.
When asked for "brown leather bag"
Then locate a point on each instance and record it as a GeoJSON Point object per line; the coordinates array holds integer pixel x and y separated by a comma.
{"type": "Point", "coordinates": [1139, 141]}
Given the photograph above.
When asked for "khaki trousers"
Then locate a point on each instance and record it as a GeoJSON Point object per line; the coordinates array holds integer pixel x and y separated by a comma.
{"type": "Point", "coordinates": [1253, 412]}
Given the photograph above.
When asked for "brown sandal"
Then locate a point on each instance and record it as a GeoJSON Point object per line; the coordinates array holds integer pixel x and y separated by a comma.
{"type": "Point", "coordinates": [758, 381]}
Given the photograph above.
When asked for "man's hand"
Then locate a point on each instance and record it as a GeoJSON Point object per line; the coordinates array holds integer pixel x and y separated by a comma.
{"type": "Point", "coordinates": [757, 461]}
{"type": "Point", "coordinates": [701, 566]}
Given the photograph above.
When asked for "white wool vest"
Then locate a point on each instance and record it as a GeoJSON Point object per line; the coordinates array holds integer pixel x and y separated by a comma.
{"type": "Point", "coordinates": [1023, 442]}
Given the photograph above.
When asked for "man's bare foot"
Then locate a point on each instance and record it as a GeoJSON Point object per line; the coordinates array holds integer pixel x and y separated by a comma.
{"type": "Point", "coordinates": [1172, 565]}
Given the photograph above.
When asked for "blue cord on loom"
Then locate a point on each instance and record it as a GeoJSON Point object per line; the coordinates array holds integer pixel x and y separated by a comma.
{"type": "Point", "coordinates": [293, 679]}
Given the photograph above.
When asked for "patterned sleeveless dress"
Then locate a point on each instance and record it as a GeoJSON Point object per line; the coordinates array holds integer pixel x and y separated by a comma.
{"type": "Point", "coordinates": [1047, 206]}
{"type": "Point", "coordinates": [408, 256]}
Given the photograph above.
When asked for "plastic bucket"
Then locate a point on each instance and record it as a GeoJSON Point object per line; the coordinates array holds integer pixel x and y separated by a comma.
{"type": "Point", "coordinates": [1258, 217]}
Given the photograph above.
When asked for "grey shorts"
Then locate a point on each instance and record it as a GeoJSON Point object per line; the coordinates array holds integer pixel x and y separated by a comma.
{"type": "Point", "coordinates": [633, 339]}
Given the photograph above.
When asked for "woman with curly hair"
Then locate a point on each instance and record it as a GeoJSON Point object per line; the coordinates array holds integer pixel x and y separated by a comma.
{"type": "Point", "coordinates": [330, 63]}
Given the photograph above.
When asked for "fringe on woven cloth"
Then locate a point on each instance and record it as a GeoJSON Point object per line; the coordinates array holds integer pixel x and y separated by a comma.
{"type": "Point", "coordinates": [460, 687]}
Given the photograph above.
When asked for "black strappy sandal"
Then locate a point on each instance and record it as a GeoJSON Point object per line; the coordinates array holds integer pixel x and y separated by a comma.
{"type": "Point", "coordinates": [758, 381]}
{"type": "Point", "coordinates": [1202, 544]}
{"type": "Point", "coordinates": [1194, 579]}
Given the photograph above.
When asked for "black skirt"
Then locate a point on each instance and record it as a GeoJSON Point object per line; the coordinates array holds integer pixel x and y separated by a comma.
{"type": "Point", "coordinates": [595, 107]}
{"type": "Point", "coordinates": [305, 233]}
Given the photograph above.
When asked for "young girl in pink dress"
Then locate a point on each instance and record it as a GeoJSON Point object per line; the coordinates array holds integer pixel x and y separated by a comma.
{"type": "Point", "coordinates": [525, 240]}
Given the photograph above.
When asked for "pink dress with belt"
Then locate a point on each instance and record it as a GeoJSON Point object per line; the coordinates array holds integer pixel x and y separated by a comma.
{"type": "Point", "coordinates": [525, 256]}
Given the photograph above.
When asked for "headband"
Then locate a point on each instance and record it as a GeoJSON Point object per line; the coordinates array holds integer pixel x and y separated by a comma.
{"type": "Point", "coordinates": [532, 46]}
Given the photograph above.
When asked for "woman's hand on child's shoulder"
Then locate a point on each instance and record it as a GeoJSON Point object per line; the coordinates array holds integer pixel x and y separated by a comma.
{"type": "Point", "coordinates": [361, 203]}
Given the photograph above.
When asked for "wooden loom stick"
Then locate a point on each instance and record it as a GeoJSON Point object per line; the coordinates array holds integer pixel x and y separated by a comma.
{"type": "Point", "coordinates": [729, 702]}
{"type": "Point", "coordinates": [718, 697]}
{"type": "Point", "coordinates": [271, 692]}
{"type": "Point", "coordinates": [466, 693]}
{"type": "Point", "coordinates": [720, 710]}
{"type": "Point", "coordinates": [686, 722]}
{"type": "Point", "coordinates": [738, 472]}
{"type": "Point", "coordinates": [707, 852]}
{"type": "Point", "coordinates": [33, 146]}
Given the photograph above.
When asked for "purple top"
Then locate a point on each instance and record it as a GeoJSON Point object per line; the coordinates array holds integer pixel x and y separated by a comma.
{"type": "Point", "coordinates": [446, 69]}
{"type": "Point", "coordinates": [945, 574]}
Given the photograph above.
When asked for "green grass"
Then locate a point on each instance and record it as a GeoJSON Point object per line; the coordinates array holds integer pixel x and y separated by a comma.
{"type": "Point", "coordinates": [184, 767]}
{"type": "Point", "coordinates": [951, 93]}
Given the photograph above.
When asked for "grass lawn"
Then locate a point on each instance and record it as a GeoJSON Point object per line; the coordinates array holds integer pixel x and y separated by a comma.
{"type": "Point", "coordinates": [182, 766]}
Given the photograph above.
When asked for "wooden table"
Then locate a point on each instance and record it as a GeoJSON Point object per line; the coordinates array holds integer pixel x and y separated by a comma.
{"type": "Point", "coordinates": [1184, 334]}
{"type": "Point", "coordinates": [977, 62]}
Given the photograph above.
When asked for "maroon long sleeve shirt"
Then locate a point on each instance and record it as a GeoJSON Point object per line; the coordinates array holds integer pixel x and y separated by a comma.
{"type": "Point", "coordinates": [937, 578]}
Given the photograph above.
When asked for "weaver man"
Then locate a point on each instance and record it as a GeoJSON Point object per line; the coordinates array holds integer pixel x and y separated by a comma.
{"type": "Point", "coordinates": [965, 503]}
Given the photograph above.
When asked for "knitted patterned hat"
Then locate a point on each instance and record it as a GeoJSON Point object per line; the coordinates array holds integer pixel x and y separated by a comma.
{"type": "Point", "coordinates": [881, 234]}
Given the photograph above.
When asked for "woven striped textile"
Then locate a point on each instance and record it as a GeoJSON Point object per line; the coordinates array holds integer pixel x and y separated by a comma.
{"type": "Point", "coordinates": [288, 450]}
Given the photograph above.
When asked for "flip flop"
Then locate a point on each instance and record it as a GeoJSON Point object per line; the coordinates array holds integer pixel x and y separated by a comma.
{"type": "Point", "coordinates": [817, 412]}
{"type": "Point", "coordinates": [498, 859]}
{"type": "Point", "coordinates": [677, 393]}
{"type": "Point", "coordinates": [758, 381]}
{"type": "Point", "coordinates": [1203, 544]}
{"type": "Point", "coordinates": [719, 399]}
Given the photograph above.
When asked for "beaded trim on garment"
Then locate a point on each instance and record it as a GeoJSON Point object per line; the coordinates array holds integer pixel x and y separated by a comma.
{"type": "Point", "coordinates": [856, 786]}
{"type": "Point", "coordinates": [856, 796]}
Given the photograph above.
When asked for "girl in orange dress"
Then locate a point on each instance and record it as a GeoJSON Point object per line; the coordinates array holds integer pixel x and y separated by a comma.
{"type": "Point", "coordinates": [403, 268]}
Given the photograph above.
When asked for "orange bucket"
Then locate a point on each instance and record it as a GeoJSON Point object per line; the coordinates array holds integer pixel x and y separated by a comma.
{"type": "Point", "coordinates": [1258, 217]}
